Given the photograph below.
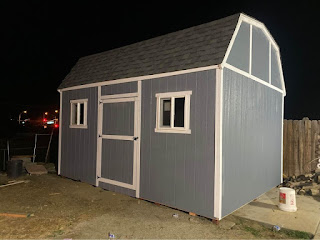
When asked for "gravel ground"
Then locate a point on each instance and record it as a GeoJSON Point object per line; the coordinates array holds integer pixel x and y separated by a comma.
{"type": "Point", "coordinates": [62, 208]}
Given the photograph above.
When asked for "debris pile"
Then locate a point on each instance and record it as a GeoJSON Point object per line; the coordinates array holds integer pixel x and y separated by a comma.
{"type": "Point", "coordinates": [308, 184]}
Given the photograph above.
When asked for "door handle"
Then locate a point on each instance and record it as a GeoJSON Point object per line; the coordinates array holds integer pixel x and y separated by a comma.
{"type": "Point", "coordinates": [135, 138]}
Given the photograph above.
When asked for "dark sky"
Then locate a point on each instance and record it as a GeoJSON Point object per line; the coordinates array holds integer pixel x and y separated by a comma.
{"type": "Point", "coordinates": [44, 39]}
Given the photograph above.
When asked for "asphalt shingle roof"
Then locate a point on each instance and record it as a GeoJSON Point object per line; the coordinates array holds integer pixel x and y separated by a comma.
{"type": "Point", "coordinates": [198, 46]}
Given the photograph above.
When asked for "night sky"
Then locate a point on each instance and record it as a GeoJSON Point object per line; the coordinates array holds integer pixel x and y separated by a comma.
{"type": "Point", "coordinates": [44, 39]}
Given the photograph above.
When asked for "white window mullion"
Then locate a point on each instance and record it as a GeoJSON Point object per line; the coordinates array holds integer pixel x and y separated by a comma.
{"type": "Point", "coordinates": [78, 113]}
{"type": "Point", "coordinates": [172, 113]}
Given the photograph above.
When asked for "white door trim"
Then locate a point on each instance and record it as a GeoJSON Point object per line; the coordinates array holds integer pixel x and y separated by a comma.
{"type": "Point", "coordinates": [123, 95]}
{"type": "Point", "coordinates": [117, 137]}
{"type": "Point", "coordinates": [136, 143]}
{"type": "Point", "coordinates": [117, 183]}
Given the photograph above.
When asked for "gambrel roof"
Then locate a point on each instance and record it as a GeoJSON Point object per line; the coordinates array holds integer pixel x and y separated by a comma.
{"type": "Point", "coordinates": [237, 41]}
{"type": "Point", "coordinates": [198, 46]}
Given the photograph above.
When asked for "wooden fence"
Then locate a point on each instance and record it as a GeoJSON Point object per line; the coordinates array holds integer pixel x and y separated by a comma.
{"type": "Point", "coordinates": [301, 145]}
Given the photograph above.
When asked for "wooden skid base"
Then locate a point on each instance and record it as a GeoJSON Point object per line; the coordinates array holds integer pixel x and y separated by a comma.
{"type": "Point", "coordinates": [215, 221]}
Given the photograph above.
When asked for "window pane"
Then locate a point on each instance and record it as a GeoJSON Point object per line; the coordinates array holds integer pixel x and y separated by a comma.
{"type": "Point", "coordinates": [74, 114]}
{"type": "Point", "coordinates": [165, 112]}
{"type": "Point", "coordinates": [81, 113]}
{"type": "Point", "coordinates": [179, 112]}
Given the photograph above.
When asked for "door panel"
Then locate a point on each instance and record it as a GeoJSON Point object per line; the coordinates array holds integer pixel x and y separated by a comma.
{"type": "Point", "coordinates": [118, 118]}
{"type": "Point", "coordinates": [117, 160]}
{"type": "Point", "coordinates": [117, 142]}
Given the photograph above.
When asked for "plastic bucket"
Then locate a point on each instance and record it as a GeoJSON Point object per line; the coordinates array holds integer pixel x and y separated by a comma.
{"type": "Point", "coordinates": [287, 199]}
{"type": "Point", "coordinates": [14, 168]}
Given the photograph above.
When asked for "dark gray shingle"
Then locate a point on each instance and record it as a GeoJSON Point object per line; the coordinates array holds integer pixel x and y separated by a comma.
{"type": "Point", "coordinates": [198, 46]}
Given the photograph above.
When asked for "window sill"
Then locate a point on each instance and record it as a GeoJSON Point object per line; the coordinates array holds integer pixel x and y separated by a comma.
{"type": "Point", "coordinates": [78, 126]}
{"type": "Point", "coordinates": [173, 130]}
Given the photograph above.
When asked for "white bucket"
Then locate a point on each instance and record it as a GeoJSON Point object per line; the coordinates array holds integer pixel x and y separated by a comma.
{"type": "Point", "coordinates": [287, 199]}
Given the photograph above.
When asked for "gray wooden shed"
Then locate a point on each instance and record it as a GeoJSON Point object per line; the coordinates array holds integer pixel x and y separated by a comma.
{"type": "Point", "coordinates": [191, 119]}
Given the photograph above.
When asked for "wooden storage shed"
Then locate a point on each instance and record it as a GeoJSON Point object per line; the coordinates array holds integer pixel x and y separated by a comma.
{"type": "Point", "coordinates": [191, 119]}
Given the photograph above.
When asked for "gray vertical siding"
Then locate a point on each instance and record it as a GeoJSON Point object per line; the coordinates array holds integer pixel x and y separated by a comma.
{"type": "Point", "coordinates": [130, 87]}
{"type": "Point", "coordinates": [178, 169]}
{"type": "Point", "coordinates": [240, 51]}
{"type": "Point", "coordinates": [251, 149]}
{"type": "Point", "coordinates": [79, 146]}
{"type": "Point", "coordinates": [118, 118]}
{"type": "Point", "coordinates": [117, 160]}
{"type": "Point", "coordinates": [260, 54]}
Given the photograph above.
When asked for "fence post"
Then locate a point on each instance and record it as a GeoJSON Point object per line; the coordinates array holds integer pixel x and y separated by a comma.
{"type": "Point", "coordinates": [8, 149]}
{"type": "Point", "coordinates": [35, 147]}
{"type": "Point", "coordinates": [4, 160]}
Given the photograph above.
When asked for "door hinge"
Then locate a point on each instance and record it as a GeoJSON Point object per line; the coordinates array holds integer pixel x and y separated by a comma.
{"type": "Point", "coordinates": [135, 138]}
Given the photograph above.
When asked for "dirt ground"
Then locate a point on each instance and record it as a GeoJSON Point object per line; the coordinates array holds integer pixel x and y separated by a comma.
{"type": "Point", "coordinates": [62, 208]}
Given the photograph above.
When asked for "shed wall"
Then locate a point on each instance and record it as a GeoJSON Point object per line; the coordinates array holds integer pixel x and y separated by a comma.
{"type": "Point", "coordinates": [79, 146]}
{"type": "Point", "coordinates": [178, 169]}
{"type": "Point", "coordinates": [251, 137]}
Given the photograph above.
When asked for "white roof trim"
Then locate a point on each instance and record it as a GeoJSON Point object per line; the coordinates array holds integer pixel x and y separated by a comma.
{"type": "Point", "coordinates": [256, 23]}
{"type": "Point", "coordinates": [135, 79]}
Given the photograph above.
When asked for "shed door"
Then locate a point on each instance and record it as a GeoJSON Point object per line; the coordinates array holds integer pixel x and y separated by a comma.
{"type": "Point", "coordinates": [118, 143]}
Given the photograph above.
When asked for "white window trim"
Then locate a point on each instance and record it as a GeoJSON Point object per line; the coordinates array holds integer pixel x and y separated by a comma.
{"type": "Point", "coordinates": [172, 95]}
{"type": "Point", "coordinates": [85, 113]}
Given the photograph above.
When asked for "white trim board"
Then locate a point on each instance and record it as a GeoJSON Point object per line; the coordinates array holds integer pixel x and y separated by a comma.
{"type": "Point", "coordinates": [117, 183]}
{"type": "Point", "coordinates": [138, 111]}
{"type": "Point", "coordinates": [99, 140]}
{"type": "Point", "coordinates": [282, 116]}
{"type": "Point", "coordinates": [60, 135]}
{"type": "Point", "coordinates": [123, 95]}
{"type": "Point", "coordinates": [218, 146]}
{"type": "Point", "coordinates": [254, 78]}
{"type": "Point", "coordinates": [118, 137]}
{"type": "Point", "coordinates": [139, 78]}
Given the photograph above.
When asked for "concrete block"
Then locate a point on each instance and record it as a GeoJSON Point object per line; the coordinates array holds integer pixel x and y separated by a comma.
{"type": "Point", "coordinates": [225, 224]}
{"type": "Point", "coordinates": [34, 169]}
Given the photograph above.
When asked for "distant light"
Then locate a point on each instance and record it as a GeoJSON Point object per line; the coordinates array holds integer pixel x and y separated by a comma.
{"type": "Point", "coordinates": [24, 111]}
{"type": "Point", "coordinates": [46, 113]}
{"type": "Point", "coordinates": [23, 122]}
{"type": "Point", "coordinates": [56, 111]}
{"type": "Point", "coordinates": [50, 122]}
{"type": "Point", "coordinates": [56, 125]}
{"type": "Point", "coordinates": [44, 119]}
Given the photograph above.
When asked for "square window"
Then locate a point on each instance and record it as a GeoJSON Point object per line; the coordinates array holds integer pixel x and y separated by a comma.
{"type": "Point", "coordinates": [78, 117]}
{"type": "Point", "coordinates": [173, 112]}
